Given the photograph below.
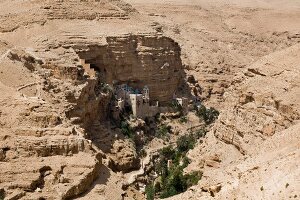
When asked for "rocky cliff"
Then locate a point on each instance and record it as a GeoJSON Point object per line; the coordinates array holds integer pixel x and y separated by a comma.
{"type": "Point", "coordinates": [138, 60]}
{"type": "Point", "coordinates": [55, 142]}
{"type": "Point", "coordinates": [251, 152]}
{"type": "Point", "coordinates": [58, 106]}
{"type": "Point", "coordinates": [39, 147]}
{"type": "Point", "coordinates": [42, 11]}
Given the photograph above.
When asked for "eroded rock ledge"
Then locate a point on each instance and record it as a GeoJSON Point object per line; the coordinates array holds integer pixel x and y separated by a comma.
{"type": "Point", "coordinates": [48, 132]}
{"type": "Point", "coordinates": [138, 60]}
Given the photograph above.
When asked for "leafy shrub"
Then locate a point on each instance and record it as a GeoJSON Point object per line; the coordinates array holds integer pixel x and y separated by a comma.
{"type": "Point", "coordinates": [211, 115]}
{"type": "Point", "coordinates": [150, 191]}
{"type": "Point", "coordinates": [185, 162]}
{"type": "Point", "coordinates": [193, 178]}
{"type": "Point", "coordinates": [163, 131]}
{"type": "Point", "coordinates": [183, 119]}
{"type": "Point", "coordinates": [208, 115]}
{"type": "Point", "coordinates": [143, 153]}
{"type": "Point", "coordinates": [126, 129]}
{"type": "Point", "coordinates": [165, 154]}
{"type": "Point", "coordinates": [185, 143]}
{"type": "Point", "coordinates": [170, 191]}
{"type": "Point", "coordinates": [200, 133]}
{"type": "Point", "coordinates": [176, 182]}
{"type": "Point", "coordinates": [2, 194]}
{"type": "Point", "coordinates": [177, 107]}
{"type": "Point", "coordinates": [172, 179]}
{"type": "Point", "coordinates": [157, 187]}
{"type": "Point", "coordinates": [104, 87]}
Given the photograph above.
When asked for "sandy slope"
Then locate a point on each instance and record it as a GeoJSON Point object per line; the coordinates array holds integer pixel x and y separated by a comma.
{"type": "Point", "coordinates": [218, 40]}
{"type": "Point", "coordinates": [267, 133]}
{"type": "Point", "coordinates": [244, 55]}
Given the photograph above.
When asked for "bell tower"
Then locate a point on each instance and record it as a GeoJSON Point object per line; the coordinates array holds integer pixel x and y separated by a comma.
{"type": "Point", "coordinates": [146, 92]}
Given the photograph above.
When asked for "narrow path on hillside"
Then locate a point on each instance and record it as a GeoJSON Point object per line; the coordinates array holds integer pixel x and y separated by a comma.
{"type": "Point", "coordinates": [131, 177]}
{"type": "Point", "coordinates": [5, 54]}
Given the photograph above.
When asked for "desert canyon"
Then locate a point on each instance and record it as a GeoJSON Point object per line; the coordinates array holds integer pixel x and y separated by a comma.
{"type": "Point", "coordinates": [160, 99]}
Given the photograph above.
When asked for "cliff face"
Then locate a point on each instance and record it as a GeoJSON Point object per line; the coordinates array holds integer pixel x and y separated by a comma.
{"type": "Point", "coordinates": [56, 103]}
{"type": "Point", "coordinates": [52, 115]}
{"type": "Point", "coordinates": [138, 60]}
{"type": "Point", "coordinates": [264, 99]}
{"type": "Point", "coordinates": [260, 119]}
{"type": "Point", "coordinates": [39, 147]}
{"type": "Point", "coordinates": [42, 11]}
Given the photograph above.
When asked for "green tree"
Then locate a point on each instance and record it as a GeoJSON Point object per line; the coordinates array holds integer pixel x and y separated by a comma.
{"type": "Point", "coordinates": [126, 129]}
{"type": "Point", "coordinates": [183, 119]}
{"type": "Point", "coordinates": [2, 194]}
{"type": "Point", "coordinates": [211, 115]}
{"type": "Point", "coordinates": [208, 115]}
{"type": "Point", "coordinates": [163, 131]}
{"type": "Point", "coordinates": [185, 143]}
{"type": "Point", "coordinates": [192, 178]}
{"type": "Point", "coordinates": [150, 191]}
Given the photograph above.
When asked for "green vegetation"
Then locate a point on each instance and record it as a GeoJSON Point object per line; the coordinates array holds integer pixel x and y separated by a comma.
{"type": "Point", "coordinates": [193, 178]}
{"type": "Point", "coordinates": [143, 153]}
{"type": "Point", "coordinates": [173, 181]}
{"type": "Point", "coordinates": [176, 106]}
{"type": "Point", "coordinates": [105, 88]}
{"type": "Point", "coordinates": [208, 115]}
{"type": "Point", "coordinates": [185, 143]}
{"type": "Point", "coordinates": [126, 129]}
{"type": "Point", "coordinates": [200, 133]}
{"type": "Point", "coordinates": [163, 131]}
{"type": "Point", "coordinates": [2, 195]}
{"type": "Point", "coordinates": [150, 191]}
{"type": "Point", "coordinates": [183, 119]}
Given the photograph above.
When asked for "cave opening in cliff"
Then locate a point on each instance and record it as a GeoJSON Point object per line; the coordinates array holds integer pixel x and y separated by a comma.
{"type": "Point", "coordinates": [93, 66]}
{"type": "Point", "coordinates": [145, 77]}
{"type": "Point", "coordinates": [138, 60]}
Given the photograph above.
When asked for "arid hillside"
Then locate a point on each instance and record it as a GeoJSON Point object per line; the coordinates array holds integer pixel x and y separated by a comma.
{"type": "Point", "coordinates": [261, 122]}
{"type": "Point", "coordinates": [216, 83]}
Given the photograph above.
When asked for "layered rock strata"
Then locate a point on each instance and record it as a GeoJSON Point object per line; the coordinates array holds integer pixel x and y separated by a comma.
{"type": "Point", "coordinates": [58, 105]}
{"type": "Point", "coordinates": [138, 60]}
